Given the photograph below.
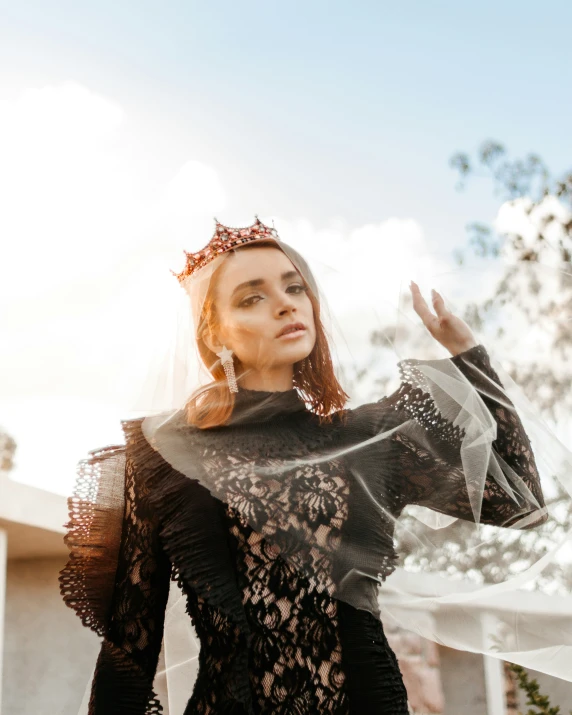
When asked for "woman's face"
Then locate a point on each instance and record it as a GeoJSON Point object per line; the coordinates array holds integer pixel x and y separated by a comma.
{"type": "Point", "coordinates": [259, 292]}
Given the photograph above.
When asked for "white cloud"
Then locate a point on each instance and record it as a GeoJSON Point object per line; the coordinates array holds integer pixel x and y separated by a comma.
{"type": "Point", "coordinates": [81, 227]}
{"type": "Point", "coordinates": [195, 191]}
{"type": "Point", "coordinates": [61, 182]}
{"type": "Point", "coordinates": [378, 258]}
{"type": "Point", "coordinates": [74, 200]}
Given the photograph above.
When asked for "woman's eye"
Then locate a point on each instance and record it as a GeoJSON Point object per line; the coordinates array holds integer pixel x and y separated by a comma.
{"type": "Point", "coordinates": [251, 300]}
{"type": "Point", "coordinates": [248, 301]}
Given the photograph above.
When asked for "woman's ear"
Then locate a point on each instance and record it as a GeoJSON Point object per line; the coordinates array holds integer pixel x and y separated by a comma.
{"type": "Point", "coordinates": [212, 342]}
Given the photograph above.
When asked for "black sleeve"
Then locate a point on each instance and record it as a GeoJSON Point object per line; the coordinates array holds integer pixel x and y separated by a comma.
{"type": "Point", "coordinates": [428, 453]}
{"type": "Point", "coordinates": [117, 580]}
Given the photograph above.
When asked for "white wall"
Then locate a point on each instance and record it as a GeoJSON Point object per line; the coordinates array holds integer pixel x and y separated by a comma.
{"type": "Point", "coordinates": [463, 682]}
{"type": "Point", "coordinates": [49, 655]}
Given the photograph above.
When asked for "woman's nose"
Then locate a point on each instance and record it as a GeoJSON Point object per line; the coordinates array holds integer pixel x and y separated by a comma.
{"type": "Point", "coordinates": [286, 305]}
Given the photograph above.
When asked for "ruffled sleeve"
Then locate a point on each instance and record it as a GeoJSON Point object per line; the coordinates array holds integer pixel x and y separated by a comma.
{"type": "Point", "coordinates": [438, 460]}
{"type": "Point", "coordinates": [117, 580]}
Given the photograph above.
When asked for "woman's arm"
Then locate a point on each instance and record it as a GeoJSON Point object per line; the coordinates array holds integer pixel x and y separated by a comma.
{"type": "Point", "coordinates": [428, 453]}
{"type": "Point", "coordinates": [117, 580]}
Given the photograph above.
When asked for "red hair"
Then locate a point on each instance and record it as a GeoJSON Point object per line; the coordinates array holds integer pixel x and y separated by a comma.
{"type": "Point", "coordinates": [314, 377]}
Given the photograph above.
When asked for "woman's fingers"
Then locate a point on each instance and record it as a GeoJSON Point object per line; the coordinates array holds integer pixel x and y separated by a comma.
{"type": "Point", "coordinates": [420, 306]}
{"type": "Point", "coordinates": [445, 327]}
{"type": "Point", "coordinates": [438, 304]}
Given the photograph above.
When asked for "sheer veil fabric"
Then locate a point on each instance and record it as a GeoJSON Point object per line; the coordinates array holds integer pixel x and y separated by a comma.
{"type": "Point", "coordinates": [433, 454]}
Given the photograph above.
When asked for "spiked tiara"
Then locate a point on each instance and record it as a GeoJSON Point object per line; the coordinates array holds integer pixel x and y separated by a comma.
{"type": "Point", "coordinates": [224, 239]}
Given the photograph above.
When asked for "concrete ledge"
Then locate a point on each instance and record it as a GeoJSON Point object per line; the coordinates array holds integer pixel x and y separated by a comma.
{"type": "Point", "coordinates": [33, 520]}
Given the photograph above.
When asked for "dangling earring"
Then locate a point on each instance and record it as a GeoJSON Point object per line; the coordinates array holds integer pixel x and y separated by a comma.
{"type": "Point", "coordinates": [225, 356]}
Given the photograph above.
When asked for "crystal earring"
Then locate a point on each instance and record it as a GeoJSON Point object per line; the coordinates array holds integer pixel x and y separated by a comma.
{"type": "Point", "coordinates": [225, 356]}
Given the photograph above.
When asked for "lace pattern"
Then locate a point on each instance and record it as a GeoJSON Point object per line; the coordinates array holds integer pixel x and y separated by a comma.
{"type": "Point", "coordinates": [294, 621]}
{"type": "Point", "coordinates": [126, 665]}
{"type": "Point", "coordinates": [435, 477]}
{"type": "Point", "coordinates": [310, 500]}
{"type": "Point", "coordinates": [260, 567]}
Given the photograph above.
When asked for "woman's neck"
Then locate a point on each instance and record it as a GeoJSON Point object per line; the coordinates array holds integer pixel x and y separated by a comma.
{"type": "Point", "coordinates": [278, 380]}
{"type": "Point", "coordinates": [256, 406]}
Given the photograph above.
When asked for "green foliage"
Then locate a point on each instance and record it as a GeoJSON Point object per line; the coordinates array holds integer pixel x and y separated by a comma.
{"type": "Point", "coordinates": [460, 551]}
{"type": "Point", "coordinates": [537, 246]}
{"type": "Point", "coordinates": [516, 179]}
{"type": "Point", "coordinates": [513, 178]}
{"type": "Point", "coordinates": [530, 686]}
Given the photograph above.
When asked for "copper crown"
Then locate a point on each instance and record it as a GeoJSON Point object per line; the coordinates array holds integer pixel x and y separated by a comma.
{"type": "Point", "coordinates": [224, 239]}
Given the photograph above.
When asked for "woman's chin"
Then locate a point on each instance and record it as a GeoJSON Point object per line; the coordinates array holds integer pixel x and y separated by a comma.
{"type": "Point", "coordinates": [291, 353]}
{"type": "Point", "coordinates": [296, 350]}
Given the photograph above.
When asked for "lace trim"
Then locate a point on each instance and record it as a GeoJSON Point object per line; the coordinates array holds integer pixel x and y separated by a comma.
{"type": "Point", "coordinates": [93, 536]}
{"type": "Point", "coordinates": [433, 472]}
{"type": "Point", "coordinates": [413, 395]}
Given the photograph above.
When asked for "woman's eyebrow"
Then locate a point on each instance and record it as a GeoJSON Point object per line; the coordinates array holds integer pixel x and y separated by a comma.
{"type": "Point", "coordinates": [260, 281]}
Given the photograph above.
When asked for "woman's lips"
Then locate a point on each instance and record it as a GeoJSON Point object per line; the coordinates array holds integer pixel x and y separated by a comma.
{"type": "Point", "coordinates": [293, 334]}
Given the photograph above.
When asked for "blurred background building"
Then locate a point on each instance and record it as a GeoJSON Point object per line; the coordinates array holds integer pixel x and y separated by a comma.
{"type": "Point", "coordinates": [46, 655]}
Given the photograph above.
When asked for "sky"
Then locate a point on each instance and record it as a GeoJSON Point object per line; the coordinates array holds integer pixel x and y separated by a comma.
{"type": "Point", "coordinates": [126, 127]}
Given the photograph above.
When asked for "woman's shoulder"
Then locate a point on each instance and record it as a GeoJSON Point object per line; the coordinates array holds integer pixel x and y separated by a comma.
{"type": "Point", "coordinates": [376, 415]}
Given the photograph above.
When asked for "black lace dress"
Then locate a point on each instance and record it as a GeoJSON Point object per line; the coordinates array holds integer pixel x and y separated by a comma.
{"type": "Point", "coordinates": [273, 639]}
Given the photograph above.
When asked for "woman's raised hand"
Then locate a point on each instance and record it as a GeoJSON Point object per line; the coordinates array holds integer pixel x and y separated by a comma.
{"type": "Point", "coordinates": [448, 329]}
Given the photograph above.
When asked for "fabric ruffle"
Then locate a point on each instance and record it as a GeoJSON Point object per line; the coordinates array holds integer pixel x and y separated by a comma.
{"type": "Point", "coordinates": [120, 686]}
{"type": "Point", "coordinates": [194, 540]}
{"type": "Point", "coordinates": [93, 536]}
{"type": "Point", "coordinates": [192, 536]}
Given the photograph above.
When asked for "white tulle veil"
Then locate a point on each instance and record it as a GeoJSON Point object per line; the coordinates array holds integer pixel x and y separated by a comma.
{"type": "Point", "coordinates": [445, 587]}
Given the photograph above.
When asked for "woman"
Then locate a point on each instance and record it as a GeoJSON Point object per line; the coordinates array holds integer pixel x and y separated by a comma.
{"type": "Point", "coordinates": [272, 505]}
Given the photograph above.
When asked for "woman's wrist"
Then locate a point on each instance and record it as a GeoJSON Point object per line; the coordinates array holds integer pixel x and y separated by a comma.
{"type": "Point", "coordinates": [459, 348]}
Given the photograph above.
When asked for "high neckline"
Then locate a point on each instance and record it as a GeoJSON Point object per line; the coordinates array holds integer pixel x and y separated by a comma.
{"type": "Point", "coordinates": [262, 405]}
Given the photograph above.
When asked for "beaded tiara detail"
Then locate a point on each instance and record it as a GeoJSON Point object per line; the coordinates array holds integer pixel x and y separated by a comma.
{"type": "Point", "coordinates": [224, 239]}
